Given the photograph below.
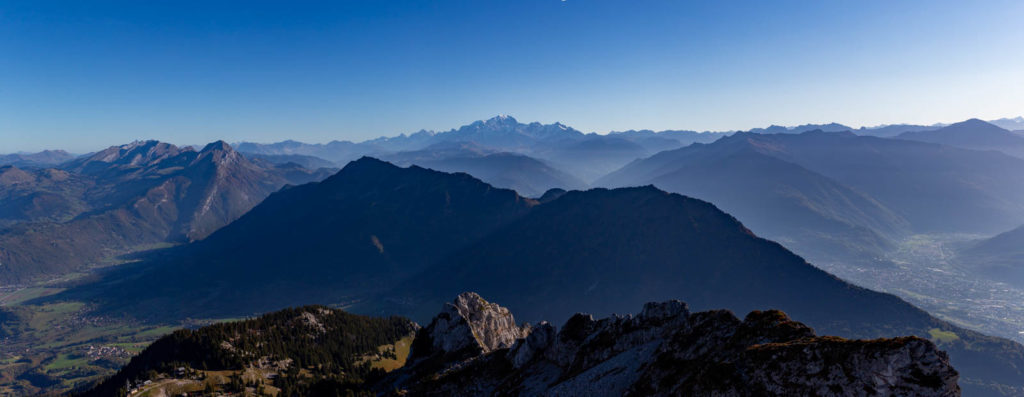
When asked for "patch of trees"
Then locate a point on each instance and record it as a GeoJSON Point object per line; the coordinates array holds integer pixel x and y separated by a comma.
{"type": "Point", "coordinates": [327, 343]}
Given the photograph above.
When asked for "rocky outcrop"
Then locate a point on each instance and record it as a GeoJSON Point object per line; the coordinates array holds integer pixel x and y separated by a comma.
{"type": "Point", "coordinates": [664, 350]}
{"type": "Point", "coordinates": [468, 326]}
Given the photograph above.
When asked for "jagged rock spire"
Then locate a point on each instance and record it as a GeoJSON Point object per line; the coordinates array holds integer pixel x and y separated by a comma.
{"type": "Point", "coordinates": [665, 350]}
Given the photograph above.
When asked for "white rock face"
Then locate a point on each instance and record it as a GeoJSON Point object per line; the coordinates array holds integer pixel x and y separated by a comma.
{"type": "Point", "coordinates": [470, 322]}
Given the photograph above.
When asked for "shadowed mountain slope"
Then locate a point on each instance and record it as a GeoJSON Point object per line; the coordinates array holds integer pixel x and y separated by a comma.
{"type": "Point", "coordinates": [597, 246]}
{"type": "Point", "coordinates": [131, 196]}
{"type": "Point", "coordinates": [28, 195]}
{"type": "Point", "coordinates": [367, 226]}
{"type": "Point", "coordinates": [999, 258]}
{"type": "Point", "coordinates": [602, 251]}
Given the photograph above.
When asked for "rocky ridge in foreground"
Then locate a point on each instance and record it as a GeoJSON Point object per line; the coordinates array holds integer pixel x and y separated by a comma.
{"type": "Point", "coordinates": [475, 348]}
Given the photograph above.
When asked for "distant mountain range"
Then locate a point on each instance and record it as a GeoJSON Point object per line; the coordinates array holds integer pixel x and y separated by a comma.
{"type": "Point", "coordinates": [973, 191]}
{"type": "Point", "coordinates": [583, 156]}
{"type": "Point", "coordinates": [44, 158]}
{"type": "Point", "coordinates": [777, 129]}
{"type": "Point", "coordinates": [526, 175]}
{"type": "Point", "coordinates": [125, 198]}
{"type": "Point", "coordinates": [972, 134]}
{"type": "Point", "coordinates": [1012, 124]}
{"type": "Point", "coordinates": [307, 162]}
{"type": "Point", "coordinates": [889, 131]}
{"type": "Point", "coordinates": [838, 196]}
{"type": "Point", "coordinates": [401, 240]}
{"type": "Point", "coordinates": [812, 213]}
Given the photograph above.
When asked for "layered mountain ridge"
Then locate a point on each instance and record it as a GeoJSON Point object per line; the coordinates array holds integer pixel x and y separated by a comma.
{"type": "Point", "coordinates": [526, 175]}
{"type": "Point", "coordinates": [972, 134]}
{"type": "Point", "coordinates": [123, 198]}
{"type": "Point", "coordinates": [838, 196]}
{"type": "Point", "coordinates": [586, 156]}
{"type": "Point", "coordinates": [583, 156]}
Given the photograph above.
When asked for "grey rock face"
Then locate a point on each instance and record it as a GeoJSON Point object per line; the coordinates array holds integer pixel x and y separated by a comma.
{"type": "Point", "coordinates": [471, 325]}
{"type": "Point", "coordinates": [664, 350]}
{"type": "Point", "coordinates": [899, 367]}
{"type": "Point", "coordinates": [539, 339]}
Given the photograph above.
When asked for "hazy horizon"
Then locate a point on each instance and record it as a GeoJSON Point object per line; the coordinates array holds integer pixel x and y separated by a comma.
{"type": "Point", "coordinates": [199, 145]}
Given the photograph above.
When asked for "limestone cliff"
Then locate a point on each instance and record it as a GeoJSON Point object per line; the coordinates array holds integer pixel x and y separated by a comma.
{"type": "Point", "coordinates": [475, 348]}
{"type": "Point", "coordinates": [469, 326]}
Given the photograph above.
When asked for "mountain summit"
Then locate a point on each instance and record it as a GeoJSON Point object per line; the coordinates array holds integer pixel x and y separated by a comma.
{"type": "Point", "coordinates": [972, 134]}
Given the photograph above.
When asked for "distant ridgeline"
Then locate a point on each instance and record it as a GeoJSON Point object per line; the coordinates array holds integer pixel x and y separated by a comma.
{"type": "Point", "coordinates": [476, 348]}
{"type": "Point", "coordinates": [830, 192]}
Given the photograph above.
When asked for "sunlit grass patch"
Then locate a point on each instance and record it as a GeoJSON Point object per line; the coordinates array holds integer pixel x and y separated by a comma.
{"type": "Point", "coordinates": [941, 336]}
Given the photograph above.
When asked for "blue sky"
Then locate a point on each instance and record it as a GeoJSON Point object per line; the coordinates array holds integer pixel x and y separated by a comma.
{"type": "Point", "coordinates": [85, 75]}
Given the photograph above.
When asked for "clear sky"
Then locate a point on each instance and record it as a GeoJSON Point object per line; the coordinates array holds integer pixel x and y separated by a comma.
{"type": "Point", "coordinates": [82, 75]}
